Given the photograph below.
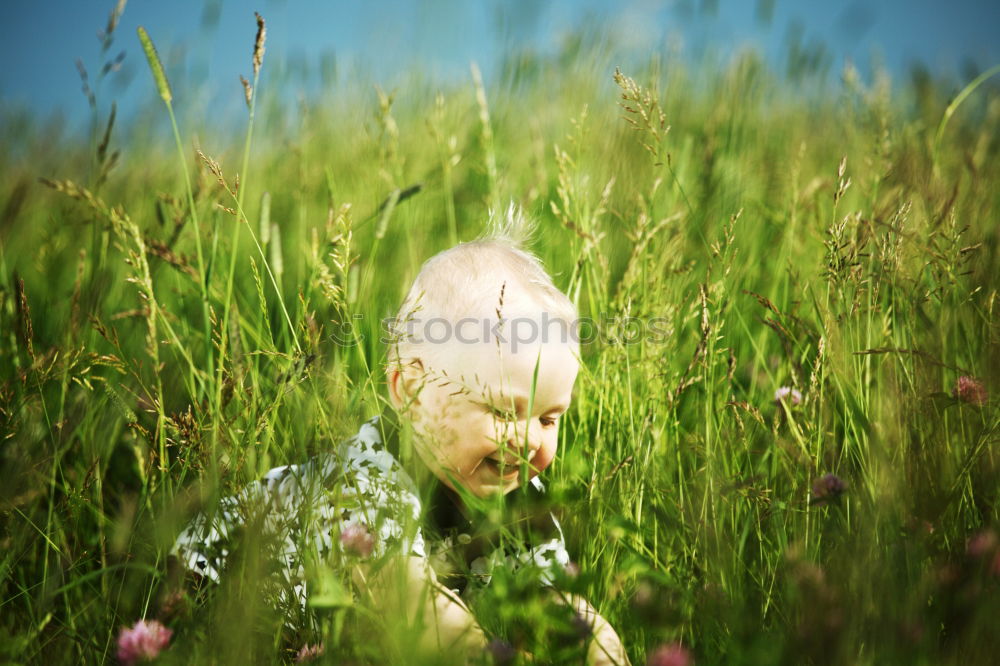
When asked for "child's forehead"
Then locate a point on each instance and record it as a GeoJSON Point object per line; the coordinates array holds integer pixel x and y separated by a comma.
{"type": "Point", "coordinates": [494, 373]}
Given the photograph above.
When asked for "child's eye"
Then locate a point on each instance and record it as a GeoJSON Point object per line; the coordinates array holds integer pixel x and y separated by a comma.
{"type": "Point", "coordinates": [547, 421]}
{"type": "Point", "coordinates": [502, 414]}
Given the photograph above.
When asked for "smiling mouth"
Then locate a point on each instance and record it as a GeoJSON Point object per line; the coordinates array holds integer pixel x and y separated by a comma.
{"type": "Point", "coordinates": [506, 470]}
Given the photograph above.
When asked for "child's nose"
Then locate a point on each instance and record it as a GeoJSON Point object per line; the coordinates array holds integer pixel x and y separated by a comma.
{"type": "Point", "coordinates": [516, 439]}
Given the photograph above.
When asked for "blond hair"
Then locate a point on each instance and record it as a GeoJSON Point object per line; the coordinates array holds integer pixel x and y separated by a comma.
{"type": "Point", "coordinates": [493, 275]}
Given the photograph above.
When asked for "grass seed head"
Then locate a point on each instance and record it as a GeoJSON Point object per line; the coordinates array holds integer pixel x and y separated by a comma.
{"type": "Point", "coordinates": [155, 65]}
{"type": "Point", "coordinates": [258, 45]}
{"type": "Point", "coordinates": [265, 218]}
{"type": "Point", "coordinates": [113, 19]}
{"type": "Point", "coordinates": [247, 90]}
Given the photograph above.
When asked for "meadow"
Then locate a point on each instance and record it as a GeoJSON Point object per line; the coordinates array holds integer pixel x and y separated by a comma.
{"type": "Point", "coordinates": [184, 306]}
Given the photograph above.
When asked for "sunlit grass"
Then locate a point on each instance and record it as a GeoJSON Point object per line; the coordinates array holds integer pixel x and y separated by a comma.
{"type": "Point", "coordinates": [156, 355]}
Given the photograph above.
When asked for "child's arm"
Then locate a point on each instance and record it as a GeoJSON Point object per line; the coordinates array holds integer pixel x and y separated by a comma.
{"type": "Point", "coordinates": [605, 647]}
{"type": "Point", "coordinates": [406, 589]}
{"type": "Point", "coordinates": [551, 558]}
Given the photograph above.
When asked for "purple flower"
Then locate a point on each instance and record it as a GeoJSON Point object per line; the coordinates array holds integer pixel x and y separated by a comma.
{"type": "Point", "coordinates": [172, 604]}
{"type": "Point", "coordinates": [970, 390]}
{"type": "Point", "coordinates": [788, 395]}
{"type": "Point", "coordinates": [501, 651]}
{"type": "Point", "coordinates": [828, 487]}
{"type": "Point", "coordinates": [672, 654]}
{"type": "Point", "coordinates": [981, 543]}
{"type": "Point", "coordinates": [309, 652]}
{"type": "Point", "coordinates": [357, 540]}
{"type": "Point", "coordinates": [143, 642]}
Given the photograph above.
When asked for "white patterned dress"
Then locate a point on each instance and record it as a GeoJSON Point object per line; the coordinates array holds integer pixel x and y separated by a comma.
{"type": "Point", "coordinates": [305, 509]}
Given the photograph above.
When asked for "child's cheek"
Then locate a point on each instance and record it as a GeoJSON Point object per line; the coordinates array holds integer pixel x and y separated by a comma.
{"type": "Point", "coordinates": [542, 459]}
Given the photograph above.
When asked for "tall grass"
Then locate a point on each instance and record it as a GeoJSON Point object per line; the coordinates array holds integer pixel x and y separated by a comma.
{"type": "Point", "coordinates": [845, 246]}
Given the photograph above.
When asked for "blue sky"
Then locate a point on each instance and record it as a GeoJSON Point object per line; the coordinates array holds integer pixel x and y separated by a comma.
{"type": "Point", "coordinates": [206, 43]}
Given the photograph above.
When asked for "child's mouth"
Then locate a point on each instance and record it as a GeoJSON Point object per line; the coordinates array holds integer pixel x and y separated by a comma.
{"type": "Point", "coordinates": [506, 471]}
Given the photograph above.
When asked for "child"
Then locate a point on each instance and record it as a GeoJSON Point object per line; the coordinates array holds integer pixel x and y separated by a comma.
{"type": "Point", "coordinates": [480, 370]}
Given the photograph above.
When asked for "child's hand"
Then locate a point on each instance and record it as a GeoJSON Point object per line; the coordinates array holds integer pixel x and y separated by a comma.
{"type": "Point", "coordinates": [406, 589]}
{"type": "Point", "coordinates": [605, 647]}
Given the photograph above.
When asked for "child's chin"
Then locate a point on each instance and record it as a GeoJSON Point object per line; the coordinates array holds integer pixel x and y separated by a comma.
{"type": "Point", "coordinates": [485, 490]}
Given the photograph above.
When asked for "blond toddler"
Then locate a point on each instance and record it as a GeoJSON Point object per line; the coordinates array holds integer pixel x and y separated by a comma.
{"type": "Point", "coordinates": [480, 370]}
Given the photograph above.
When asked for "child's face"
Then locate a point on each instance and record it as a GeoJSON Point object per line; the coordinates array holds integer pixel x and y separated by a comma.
{"type": "Point", "coordinates": [472, 417]}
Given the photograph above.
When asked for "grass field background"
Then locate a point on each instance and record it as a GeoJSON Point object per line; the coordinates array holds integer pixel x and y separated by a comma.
{"type": "Point", "coordinates": [165, 338]}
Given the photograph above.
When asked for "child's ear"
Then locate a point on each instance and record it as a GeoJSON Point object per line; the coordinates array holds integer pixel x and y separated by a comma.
{"type": "Point", "coordinates": [404, 380]}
